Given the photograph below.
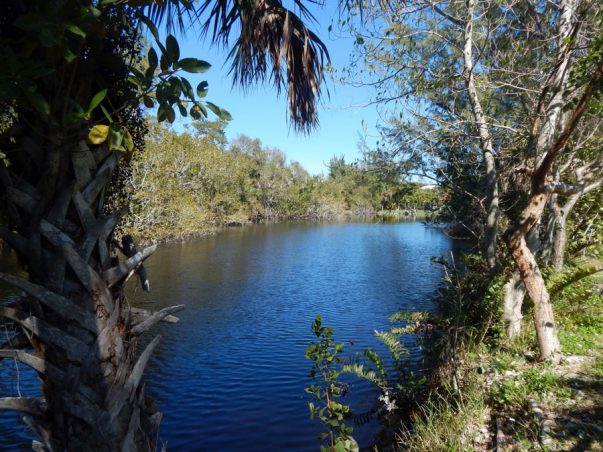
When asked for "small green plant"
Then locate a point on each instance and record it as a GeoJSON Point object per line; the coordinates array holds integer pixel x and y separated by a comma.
{"type": "Point", "coordinates": [324, 355]}
{"type": "Point", "coordinates": [404, 385]}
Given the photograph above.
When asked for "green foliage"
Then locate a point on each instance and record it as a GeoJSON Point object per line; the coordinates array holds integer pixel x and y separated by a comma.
{"type": "Point", "coordinates": [579, 309]}
{"type": "Point", "coordinates": [445, 423]}
{"type": "Point", "coordinates": [513, 392]}
{"type": "Point", "coordinates": [194, 182]}
{"type": "Point", "coordinates": [324, 354]}
{"type": "Point", "coordinates": [471, 301]}
{"type": "Point", "coordinates": [400, 384]}
{"type": "Point", "coordinates": [56, 68]}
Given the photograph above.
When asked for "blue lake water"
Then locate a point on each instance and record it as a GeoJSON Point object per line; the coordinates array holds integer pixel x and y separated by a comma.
{"type": "Point", "coordinates": [231, 374]}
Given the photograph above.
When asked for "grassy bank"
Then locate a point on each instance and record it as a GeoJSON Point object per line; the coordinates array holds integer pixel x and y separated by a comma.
{"type": "Point", "coordinates": [492, 395]}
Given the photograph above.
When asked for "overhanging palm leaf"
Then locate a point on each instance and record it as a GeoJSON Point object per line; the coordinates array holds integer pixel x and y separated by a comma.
{"type": "Point", "coordinates": [273, 44]}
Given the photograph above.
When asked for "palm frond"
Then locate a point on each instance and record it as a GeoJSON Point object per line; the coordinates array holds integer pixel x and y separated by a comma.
{"type": "Point", "coordinates": [571, 275]}
{"type": "Point", "coordinates": [173, 14]}
{"type": "Point", "coordinates": [273, 44]}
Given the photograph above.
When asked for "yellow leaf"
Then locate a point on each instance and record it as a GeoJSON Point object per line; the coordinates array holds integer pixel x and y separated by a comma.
{"type": "Point", "coordinates": [98, 134]}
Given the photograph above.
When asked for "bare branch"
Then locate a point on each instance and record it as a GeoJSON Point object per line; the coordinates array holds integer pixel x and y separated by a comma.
{"type": "Point", "coordinates": [33, 406]}
{"type": "Point", "coordinates": [117, 273]}
{"type": "Point", "coordinates": [155, 318]}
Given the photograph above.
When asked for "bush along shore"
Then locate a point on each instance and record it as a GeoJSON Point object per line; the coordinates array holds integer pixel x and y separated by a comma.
{"type": "Point", "coordinates": [480, 390]}
{"type": "Point", "coordinates": [489, 393]}
{"type": "Point", "coordinates": [194, 182]}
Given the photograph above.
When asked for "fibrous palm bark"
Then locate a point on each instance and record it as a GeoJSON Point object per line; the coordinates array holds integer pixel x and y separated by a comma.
{"type": "Point", "coordinates": [82, 334]}
{"type": "Point", "coordinates": [74, 326]}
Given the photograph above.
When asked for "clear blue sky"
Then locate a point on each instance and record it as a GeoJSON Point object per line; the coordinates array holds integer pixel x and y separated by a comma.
{"type": "Point", "coordinates": [258, 112]}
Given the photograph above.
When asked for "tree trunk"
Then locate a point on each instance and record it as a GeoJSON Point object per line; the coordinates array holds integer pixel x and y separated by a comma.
{"type": "Point", "coordinates": [487, 147]}
{"type": "Point", "coordinates": [559, 242]}
{"type": "Point", "coordinates": [514, 292]}
{"type": "Point", "coordinates": [548, 239]}
{"type": "Point", "coordinates": [83, 334]}
{"type": "Point", "coordinates": [531, 276]}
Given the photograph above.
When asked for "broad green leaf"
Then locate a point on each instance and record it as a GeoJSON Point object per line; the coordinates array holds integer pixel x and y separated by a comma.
{"type": "Point", "coordinates": [219, 112]}
{"type": "Point", "coordinates": [128, 141]}
{"type": "Point", "coordinates": [107, 115]}
{"type": "Point", "coordinates": [75, 30]}
{"type": "Point", "coordinates": [164, 63]}
{"type": "Point", "coordinates": [161, 115]}
{"type": "Point", "coordinates": [182, 109]}
{"type": "Point", "coordinates": [36, 100]}
{"type": "Point", "coordinates": [197, 111]}
{"type": "Point", "coordinates": [175, 87]}
{"type": "Point", "coordinates": [69, 55]}
{"type": "Point", "coordinates": [97, 99]}
{"type": "Point", "coordinates": [194, 65]}
{"type": "Point", "coordinates": [98, 134]}
{"type": "Point", "coordinates": [115, 138]}
{"type": "Point", "coordinates": [94, 12]}
{"type": "Point", "coordinates": [148, 102]}
{"type": "Point", "coordinates": [202, 89]}
{"type": "Point", "coordinates": [225, 115]}
{"type": "Point", "coordinates": [214, 108]}
{"type": "Point", "coordinates": [170, 113]}
{"type": "Point", "coordinates": [172, 49]}
{"type": "Point", "coordinates": [187, 89]}
{"type": "Point", "coordinates": [153, 60]}
{"type": "Point", "coordinates": [166, 112]}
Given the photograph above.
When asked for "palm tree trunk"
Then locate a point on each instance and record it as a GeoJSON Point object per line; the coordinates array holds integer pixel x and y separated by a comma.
{"type": "Point", "coordinates": [83, 334]}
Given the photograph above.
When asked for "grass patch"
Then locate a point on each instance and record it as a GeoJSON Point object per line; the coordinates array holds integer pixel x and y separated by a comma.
{"type": "Point", "coordinates": [446, 421]}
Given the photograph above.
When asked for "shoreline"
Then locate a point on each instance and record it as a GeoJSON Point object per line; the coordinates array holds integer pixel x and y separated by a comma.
{"type": "Point", "coordinates": [383, 216]}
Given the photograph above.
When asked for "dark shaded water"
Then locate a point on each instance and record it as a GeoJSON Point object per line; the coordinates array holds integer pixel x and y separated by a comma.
{"type": "Point", "coordinates": [231, 374]}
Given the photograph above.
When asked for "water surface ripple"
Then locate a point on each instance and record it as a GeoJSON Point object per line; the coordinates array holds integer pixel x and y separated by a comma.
{"type": "Point", "coordinates": [231, 374]}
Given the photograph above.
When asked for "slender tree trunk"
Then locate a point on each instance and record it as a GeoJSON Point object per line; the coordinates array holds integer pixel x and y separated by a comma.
{"type": "Point", "coordinates": [82, 333]}
{"type": "Point", "coordinates": [491, 188]}
{"type": "Point", "coordinates": [514, 292]}
{"type": "Point", "coordinates": [548, 239]}
{"type": "Point", "coordinates": [531, 276]}
{"type": "Point", "coordinates": [559, 243]}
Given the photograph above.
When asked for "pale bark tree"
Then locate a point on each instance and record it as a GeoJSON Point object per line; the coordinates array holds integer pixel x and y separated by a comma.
{"type": "Point", "coordinates": [550, 133]}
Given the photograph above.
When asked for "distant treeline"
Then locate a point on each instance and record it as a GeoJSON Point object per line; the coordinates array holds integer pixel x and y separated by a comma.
{"type": "Point", "coordinates": [194, 182]}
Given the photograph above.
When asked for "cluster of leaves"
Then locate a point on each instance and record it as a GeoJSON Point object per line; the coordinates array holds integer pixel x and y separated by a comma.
{"type": "Point", "coordinates": [471, 301]}
{"type": "Point", "coordinates": [192, 182]}
{"type": "Point", "coordinates": [161, 84]}
{"type": "Point", "coordinates": [324, 354]}
{"type": "Point", "coordinates": [399, 384]}
{"type": "Point", "coordinates": [51, 44]}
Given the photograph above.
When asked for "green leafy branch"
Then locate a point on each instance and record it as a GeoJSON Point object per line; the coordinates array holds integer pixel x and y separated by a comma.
{"type": "Point", "coordinates": [324, 355]}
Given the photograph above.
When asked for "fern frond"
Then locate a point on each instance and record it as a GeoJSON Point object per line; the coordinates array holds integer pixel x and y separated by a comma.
{"type": "Point", "coordinates": [374, 357]}
{"type": "Point", "coordinates": [392, 343]}
{"type": "Point", "coordinates": [402, 316]}
{"type": "Point", "coordinates": [409, 329]}
{"type": "Point", "coordinates": [367, 374]}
